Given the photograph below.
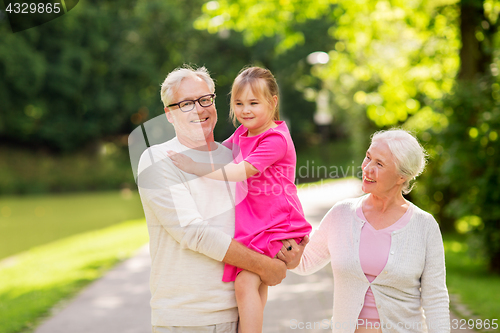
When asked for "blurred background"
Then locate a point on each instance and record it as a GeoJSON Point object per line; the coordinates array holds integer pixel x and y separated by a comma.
{"type": "Point", "coordinates": [73, 89]}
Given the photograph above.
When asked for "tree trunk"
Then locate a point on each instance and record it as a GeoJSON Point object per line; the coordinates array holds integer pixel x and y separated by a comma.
{"type": "Point", "coordinates": [493, 247]}
{"type": "Point", "coordinates": [474, 61]}
{"type": "Point", "coordinates": [495, 263]}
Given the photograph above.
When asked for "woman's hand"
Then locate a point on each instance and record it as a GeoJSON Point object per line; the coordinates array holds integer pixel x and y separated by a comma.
{"type": "Point", "coordinates": [183, 162]}
{"type": "Point", "coordinates": [291, 252]}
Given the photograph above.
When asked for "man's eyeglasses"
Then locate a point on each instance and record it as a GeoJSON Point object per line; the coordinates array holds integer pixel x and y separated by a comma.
{"type": "Point", "coordinates": [189, 105]}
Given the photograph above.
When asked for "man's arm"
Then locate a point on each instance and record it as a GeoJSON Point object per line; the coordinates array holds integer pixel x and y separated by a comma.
{"type": "Point", "coordinates": [166, 195]}
{"type": "Point", "coordinates": [271, 271]}
{"type": "Point", "coordinates": [164, 191]}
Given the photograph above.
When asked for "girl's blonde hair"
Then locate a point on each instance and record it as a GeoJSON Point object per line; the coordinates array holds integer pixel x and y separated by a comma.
{"type": "Point", "coordinates": [263, 85]}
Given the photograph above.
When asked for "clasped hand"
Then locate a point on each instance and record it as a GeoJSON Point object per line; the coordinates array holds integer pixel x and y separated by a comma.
{"type": "Point", "coordinates": [291, 252]}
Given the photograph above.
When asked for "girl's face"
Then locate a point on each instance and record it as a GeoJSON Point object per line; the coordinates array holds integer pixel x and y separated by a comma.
{"type": "Point", "coordinates": [254, 112]}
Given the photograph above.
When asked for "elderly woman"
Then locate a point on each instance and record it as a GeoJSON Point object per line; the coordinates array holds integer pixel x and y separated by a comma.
{"type": "Point", "coordinates": [386, 254]}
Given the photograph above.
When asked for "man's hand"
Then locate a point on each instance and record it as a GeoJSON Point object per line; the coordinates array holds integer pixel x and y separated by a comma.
{"type": "Point", "coordinates": [275, 273]}
{"type": "Point", "coordinates": [291, 252]}
{"type": "Point", "coordinates": [271, 271]}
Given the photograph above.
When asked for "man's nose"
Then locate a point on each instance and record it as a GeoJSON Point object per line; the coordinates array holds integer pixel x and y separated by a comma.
{"type": "Point", "coordinates": [198, 106]}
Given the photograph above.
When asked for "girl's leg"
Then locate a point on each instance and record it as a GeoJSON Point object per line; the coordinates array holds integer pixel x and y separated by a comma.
{"type": "Point", "coordinates": [263, 296]}
{"type": "Point", "coordinates": [250, 303]}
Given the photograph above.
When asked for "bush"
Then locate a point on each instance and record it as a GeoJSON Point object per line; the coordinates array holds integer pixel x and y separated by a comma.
{"type": "Point", "coordinates": [462, 181]}
{"type": "Point", "coordinates": [24, 171]}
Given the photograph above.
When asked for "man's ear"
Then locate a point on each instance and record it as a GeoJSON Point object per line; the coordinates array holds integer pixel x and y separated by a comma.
{"type": "Point", "coordinates": [169, 116]}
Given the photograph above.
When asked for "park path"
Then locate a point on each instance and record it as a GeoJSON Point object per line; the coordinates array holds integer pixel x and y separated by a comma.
{"type": "Point", "coordinates": [119, 301]}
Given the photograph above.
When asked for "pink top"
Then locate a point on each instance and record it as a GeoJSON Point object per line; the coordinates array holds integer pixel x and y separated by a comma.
{"type": "Point", "coordinates": [268, 209]}
{"type": "Point", "coordinates": [374, 247]}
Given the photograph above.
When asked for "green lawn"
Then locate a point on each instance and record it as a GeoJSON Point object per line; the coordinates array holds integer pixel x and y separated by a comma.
{"type": "Point", "coordinates": [56, 244]}
{"type": "Point", "coordinates": [35, 220]}
{"type": "Point", "coordinates": [32, 282]}
{"type": "Point", "coordinates": [470, 279]}
{"type": "Point", "coordinates": [24, 171]}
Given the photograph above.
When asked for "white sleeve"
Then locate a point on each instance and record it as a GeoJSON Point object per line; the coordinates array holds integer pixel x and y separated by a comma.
{"type": "Point", "coordinates": [316, 254]}
{"type": "Point", "coordinates": [434, 294]}
{"type": "Point", "coordinates": [166, 195]}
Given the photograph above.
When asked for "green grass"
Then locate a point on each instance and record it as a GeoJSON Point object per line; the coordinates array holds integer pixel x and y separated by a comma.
{"type": "Point", "coordinates": [32, 282]}
{"type": "Point", "coordinates": [25, 171]}
{"type": "Point", "coordinates": [469, 278]}
{"type": "Point", "coordinates": [35, 220]}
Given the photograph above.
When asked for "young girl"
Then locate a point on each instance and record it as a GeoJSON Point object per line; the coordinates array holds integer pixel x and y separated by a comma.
{"type": "Point", "coordinates": [268, 209]}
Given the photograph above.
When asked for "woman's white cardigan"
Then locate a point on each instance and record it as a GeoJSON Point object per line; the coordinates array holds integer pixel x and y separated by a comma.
{"type": "Point", "coordinates": [410, 293]}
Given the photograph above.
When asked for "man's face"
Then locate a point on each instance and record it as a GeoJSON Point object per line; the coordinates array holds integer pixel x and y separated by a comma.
{"type": "Point", "coordinates": [193, 128]}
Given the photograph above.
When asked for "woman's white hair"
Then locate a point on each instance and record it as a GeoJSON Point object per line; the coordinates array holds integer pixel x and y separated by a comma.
{"type": "Point", "coordinates": [409, 155]}
{"type": "Point", "coordinates": [174, 78]}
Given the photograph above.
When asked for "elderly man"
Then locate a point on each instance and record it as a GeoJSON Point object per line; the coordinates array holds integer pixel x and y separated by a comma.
{"type": "Point", "coordinates": [191, 219]}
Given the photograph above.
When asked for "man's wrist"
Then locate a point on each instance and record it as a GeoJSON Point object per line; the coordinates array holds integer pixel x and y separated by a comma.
{"type": "Point", "coordinates": [265, 265]}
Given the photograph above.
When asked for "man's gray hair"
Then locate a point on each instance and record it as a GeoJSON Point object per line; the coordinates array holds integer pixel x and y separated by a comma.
{"type": "Point", "coordinates": [174, 78]}
{"type": "Point", "coordinates": [409, 155]}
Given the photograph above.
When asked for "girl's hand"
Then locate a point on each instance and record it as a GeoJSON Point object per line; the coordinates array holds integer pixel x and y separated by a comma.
{"type": "Point", "coordinates": [183, 162]}
{"type": "Point", "coordinates": [291, 252]}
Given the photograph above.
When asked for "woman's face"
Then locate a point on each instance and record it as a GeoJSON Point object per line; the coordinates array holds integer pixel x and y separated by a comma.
{"type": "Point", "coordinates": [380, 174]}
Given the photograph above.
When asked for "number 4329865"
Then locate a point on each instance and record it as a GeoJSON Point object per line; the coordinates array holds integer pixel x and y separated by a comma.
{"type": "Point", "coordinates": [32, 8]}
{"type": "Point", "coordinates": [474, 324]}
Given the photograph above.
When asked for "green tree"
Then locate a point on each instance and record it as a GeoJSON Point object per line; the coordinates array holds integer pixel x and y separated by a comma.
{"type": "Point", "coordinates": [461, 185]}
{"type": "Point", "coordinates": [391, 58]}
{"type": "Point", "coordinates": [463, 178]}
{"type": "Point", "coordinates": [430, 66]}
{"type": "Point", "coordinates": [95, 72]}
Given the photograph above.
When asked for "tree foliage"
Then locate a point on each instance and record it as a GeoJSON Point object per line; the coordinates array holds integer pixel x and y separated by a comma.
{"type": "Point", "coordinates": [95, 72]}
{"type": "Point", "coordinates": [429, 66]}
{"type": "Point", "coordinates": [462, 186]}
{"type": "Point", "coordinates": [391, 58]}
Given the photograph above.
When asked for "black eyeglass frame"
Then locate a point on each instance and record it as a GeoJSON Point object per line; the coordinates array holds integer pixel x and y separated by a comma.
{"type": "Point", "coordinates": [212, 97]}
